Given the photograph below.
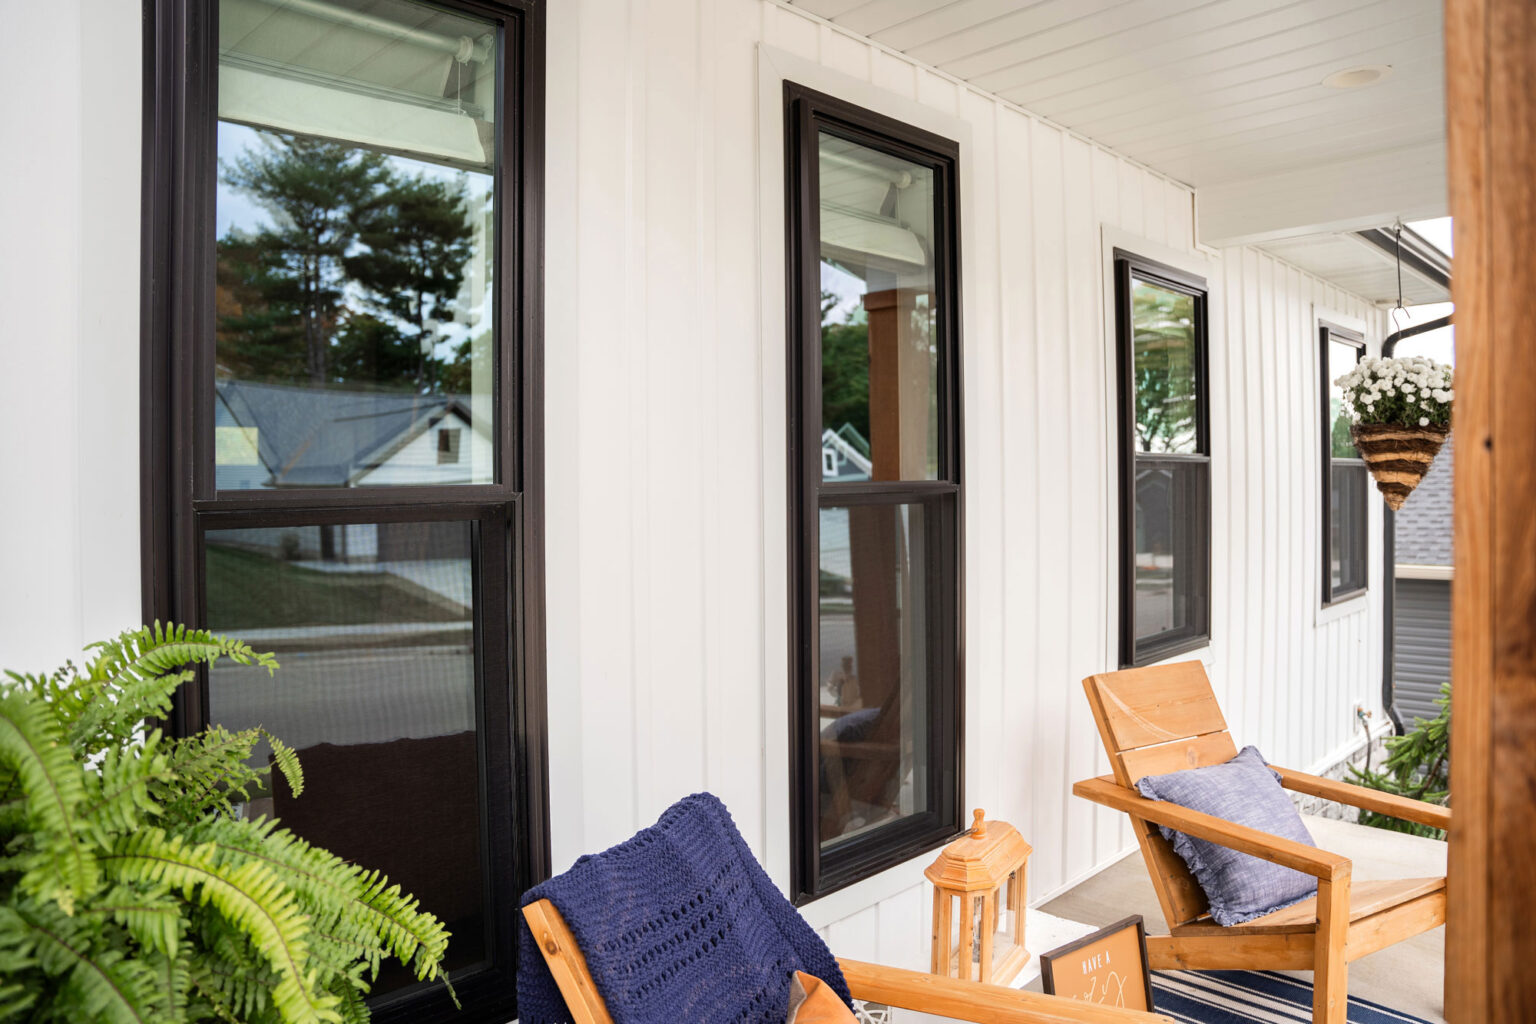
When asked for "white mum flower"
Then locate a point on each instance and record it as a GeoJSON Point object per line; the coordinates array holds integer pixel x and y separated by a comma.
{"type": "Point", "coordinates": [1423, 421]}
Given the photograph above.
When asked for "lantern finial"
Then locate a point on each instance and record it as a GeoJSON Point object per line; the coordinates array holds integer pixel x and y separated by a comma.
{"type": "Point", "coordinates": [979, 826]}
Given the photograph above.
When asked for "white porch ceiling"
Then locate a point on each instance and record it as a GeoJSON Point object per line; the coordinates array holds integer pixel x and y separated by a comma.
{"type": "Point", "coordinates": [1357, 266]}
{"type": "Point", "coordinates": [1205, 91]}
{"type": "Point", "coordinates": [1224, 95]}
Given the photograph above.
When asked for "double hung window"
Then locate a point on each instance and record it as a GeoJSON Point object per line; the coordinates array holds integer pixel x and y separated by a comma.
{"type": "Point", "coordinates": [875, 490]}
{"type": "Point", "coordinates": [1345, 527]}
{"type": "Point", "coordinates": [1165, 463]}
{"type": "Point", "coordinates": [342, 435]}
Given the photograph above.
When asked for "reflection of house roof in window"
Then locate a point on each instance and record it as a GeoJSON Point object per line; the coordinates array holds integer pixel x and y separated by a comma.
{"type": "Point", "coordinates": [329, 437]}
{"type": "Point", "coordinates": [1424, 523]}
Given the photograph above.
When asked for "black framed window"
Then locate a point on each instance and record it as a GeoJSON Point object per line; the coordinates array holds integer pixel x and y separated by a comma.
{"type": "Point", "coordinates": [1165, 463]}
{"type": "Point", "coordinates": [874, 369]}
{"type": "Point", "coordinates": [342, 458]}
{"type": "Point", "coordinates": [1345, 526]}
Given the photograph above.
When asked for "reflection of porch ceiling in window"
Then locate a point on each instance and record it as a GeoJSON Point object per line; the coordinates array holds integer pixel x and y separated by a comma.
{"type": "Point", "coordinates": [388, 76]}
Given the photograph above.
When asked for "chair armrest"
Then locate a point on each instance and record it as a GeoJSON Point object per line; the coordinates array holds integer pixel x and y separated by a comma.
{"type": "Point", "coordinates": [1264, 845]}
{"type": "Point", "coordinates": [1416, 811]}
{"type": "Point", "coordinates": [974, 1001]}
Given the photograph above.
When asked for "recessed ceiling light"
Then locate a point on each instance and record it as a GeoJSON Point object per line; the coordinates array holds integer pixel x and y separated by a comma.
{"type": "Point", "coordinates": [1358, 78]}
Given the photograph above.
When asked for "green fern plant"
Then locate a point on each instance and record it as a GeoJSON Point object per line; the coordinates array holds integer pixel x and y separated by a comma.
{"type": "Point", "coordinates": [130, 890]}
{"type": "Point", "coordinates": [1418, 766]}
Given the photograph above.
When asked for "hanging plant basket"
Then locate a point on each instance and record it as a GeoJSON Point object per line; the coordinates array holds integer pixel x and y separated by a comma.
{"type": "Point", "coordinates": [1397, 456]}
{"type": "Point", "coordinates": [1401, 412]}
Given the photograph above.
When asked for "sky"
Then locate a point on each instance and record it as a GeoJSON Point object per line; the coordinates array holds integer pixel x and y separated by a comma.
{"type": "Point", "coordinates": [1438, 345]}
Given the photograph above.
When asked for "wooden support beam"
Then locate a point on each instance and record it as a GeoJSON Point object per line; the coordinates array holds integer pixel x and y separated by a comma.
{"type": "Point", "coordinates": [1491, 109]}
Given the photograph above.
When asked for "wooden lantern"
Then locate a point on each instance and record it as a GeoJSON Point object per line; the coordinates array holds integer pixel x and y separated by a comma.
{"type": "Point", "coordinates": [979, 871]}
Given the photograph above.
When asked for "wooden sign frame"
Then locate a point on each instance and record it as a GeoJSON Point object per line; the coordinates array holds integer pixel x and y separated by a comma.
{"type": "Point", "coordinates": [1048, 960]}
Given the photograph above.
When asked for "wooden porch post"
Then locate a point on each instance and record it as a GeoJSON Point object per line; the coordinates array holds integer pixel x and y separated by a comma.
{"type": "Point", "coordinates": [1491, 103]}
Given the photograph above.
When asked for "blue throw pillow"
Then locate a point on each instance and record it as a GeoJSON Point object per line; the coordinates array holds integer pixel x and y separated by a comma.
{"type": "Point", "coordinates": [1245, 790]}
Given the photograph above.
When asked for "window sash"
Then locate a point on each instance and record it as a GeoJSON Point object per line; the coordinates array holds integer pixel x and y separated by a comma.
{"type": "Point", "coordinates": [815, 872]}
{"type": "Point", "coordinates": [1135, 649]}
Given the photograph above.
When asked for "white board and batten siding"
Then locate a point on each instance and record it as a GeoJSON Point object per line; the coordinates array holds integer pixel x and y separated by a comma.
{"type": "Point", "coordinates": [666, 413]}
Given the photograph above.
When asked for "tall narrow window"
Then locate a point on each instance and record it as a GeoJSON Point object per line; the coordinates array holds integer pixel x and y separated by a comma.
{"type": "Point", "coordinates": [1344, 485]}
{"type": "Point", "coordinates": [875, 485]}
{"type": "Point", "coordinates": [1165, 504]}
{"type": "Point", "coordinates": [340, 408]}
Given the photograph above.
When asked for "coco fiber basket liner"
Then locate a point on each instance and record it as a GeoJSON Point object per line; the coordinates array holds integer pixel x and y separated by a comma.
{"type": "Point", "coordinates": [1398, 457]}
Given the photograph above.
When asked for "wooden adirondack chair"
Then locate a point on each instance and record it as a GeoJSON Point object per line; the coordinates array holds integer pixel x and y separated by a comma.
{"type": "Point", "coordinates": [1165, 719]}
{"type": "Point", "coordinates": [911, 990]}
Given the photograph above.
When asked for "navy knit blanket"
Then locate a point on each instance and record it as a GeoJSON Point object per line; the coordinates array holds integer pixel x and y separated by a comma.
{"type": "Point", "coordinates": [678, 924]}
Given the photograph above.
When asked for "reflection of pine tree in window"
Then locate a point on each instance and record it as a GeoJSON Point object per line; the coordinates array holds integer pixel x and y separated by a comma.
{"type": "Point", "coordinates": [348, 283]}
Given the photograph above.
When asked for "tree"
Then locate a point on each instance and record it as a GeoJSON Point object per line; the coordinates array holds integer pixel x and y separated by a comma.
{"type": "Point", "coordinates": [844, 369]}
{"type": "Point", "coordinates": [314, 190]}
{"type": "Point", "coordinates": [417, 241]}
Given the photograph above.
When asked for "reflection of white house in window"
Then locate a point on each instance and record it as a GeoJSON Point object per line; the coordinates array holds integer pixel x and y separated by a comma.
{"type": "Point", "coordinates": [844, 454]}
{"type": "Point", "coordinates": [276, 435]}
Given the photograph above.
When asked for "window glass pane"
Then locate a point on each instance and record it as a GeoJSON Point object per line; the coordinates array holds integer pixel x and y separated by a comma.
{"type": "Point", "coordinates": [355, 244]}
{"type": "Point", "coordinates": [1347, 528]}
{"type": "Point", "coordinates": [874, 631]}
{"type": "Point", "coordinates": [879, 325]}
{"type": "Point", "coordinates": [373, 624]}
{"type": "Point", "coordinates": [1172, 520]}
{"type": "Point", "coordinates": [1165, 369]}
{"type": "Point", "coordinates": [1341, 359]}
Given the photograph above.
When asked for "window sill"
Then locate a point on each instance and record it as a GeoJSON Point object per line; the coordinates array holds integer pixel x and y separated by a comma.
{"type": "Point", "coordinates": [1165, 652]}
{"type": "Point", "coordinates": [865, 893]}
{"type": "Point", "coordinates": [1354, 604]}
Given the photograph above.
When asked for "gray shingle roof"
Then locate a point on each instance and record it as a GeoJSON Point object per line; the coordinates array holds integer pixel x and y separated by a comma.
{"type": "Point", "coordinates": [1424, 523]}
{"type": "Point", "coordinates": [325, 436]}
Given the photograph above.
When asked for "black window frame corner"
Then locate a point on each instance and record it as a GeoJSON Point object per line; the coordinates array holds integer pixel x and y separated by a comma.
{"type": "Point", "coordinates": [1329, 333]}
{"type": "Point", "coordinates": [178, 503]}
{"type": "Point", "coordinates": [1131, 651]}
{"type": "Point", "coordinates": [814, 874]}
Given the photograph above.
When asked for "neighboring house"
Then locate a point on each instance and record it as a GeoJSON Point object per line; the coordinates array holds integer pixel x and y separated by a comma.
{"type": "Point", "coordinates": [283, 435]}
{"type": "Point", "coordinates": [844, 454]}
{"type": "Point", "coordinates": [1421, 633]}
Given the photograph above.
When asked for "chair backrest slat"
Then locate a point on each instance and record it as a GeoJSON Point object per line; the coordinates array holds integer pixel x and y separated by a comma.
{"type": "Point", "coordinates": [1194, 752]}
{"type": "Point", "coordinates": [1155, 720]}
{"type": "Point", "coordinates": [1142, 707]}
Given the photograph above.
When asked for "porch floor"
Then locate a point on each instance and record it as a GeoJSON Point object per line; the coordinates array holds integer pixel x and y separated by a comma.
{"type": "Point", "coordinates": [1408, 977]}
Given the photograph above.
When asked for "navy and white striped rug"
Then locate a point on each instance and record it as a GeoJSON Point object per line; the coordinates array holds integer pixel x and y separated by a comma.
{"type": "Point", "coordinates": [1253, 997]}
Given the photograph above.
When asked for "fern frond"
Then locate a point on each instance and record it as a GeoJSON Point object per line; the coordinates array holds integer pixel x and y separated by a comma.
{"type": "Point", "coordinates": [249, 896]}
{"type": "Point", "coordinates": [353, 906]}
{"type": "Point", "coordinates": [53, 784]}
{"type": "Point", "coordinates": [15, 1000]}
{"type": "Point", "coordinates": [287, 762]}
{"type": "Point", "coordinates": [119, 793]}
{"type": "Point", "coordinates": [209, 772]}
{"type": "Point", "coordinates": [152, 917]}
{"type": "Point", "coordinates": [231, 995]}
{"type": "Point", "coordinates": [96, 984]}
{"type": "Point", "coordinates": [134, 676]}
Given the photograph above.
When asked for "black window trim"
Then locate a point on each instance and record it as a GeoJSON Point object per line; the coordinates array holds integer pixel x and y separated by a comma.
{"type": "Point", "coordinates": [178, 504]}
{"type": "Point", "coordinates": [806, 113]}
{"type": "Point", "coordinates": [1128, 264]}
{"type": "Point", "coordinates": [1331, 332]}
